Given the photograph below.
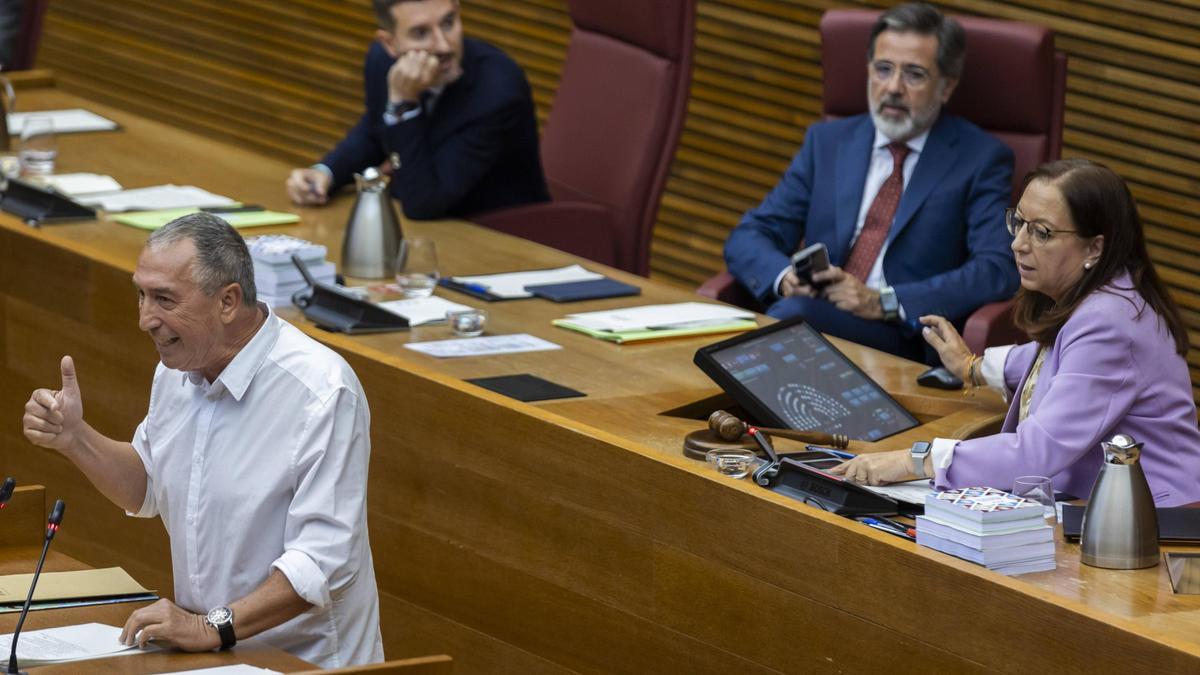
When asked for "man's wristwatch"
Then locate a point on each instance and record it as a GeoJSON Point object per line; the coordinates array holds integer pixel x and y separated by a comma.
{"type": "Point", "coordinates": [890, 304]}
{"type": "Point", "coordinates": [919, 451]}
{"type": "Point", "coordinates": [221, 618]}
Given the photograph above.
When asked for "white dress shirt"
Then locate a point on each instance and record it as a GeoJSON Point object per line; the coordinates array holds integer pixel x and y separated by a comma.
{"type": "Point", "coordinates": [878, 172]}
{"type": "Point", "coordinates": [266, 467]}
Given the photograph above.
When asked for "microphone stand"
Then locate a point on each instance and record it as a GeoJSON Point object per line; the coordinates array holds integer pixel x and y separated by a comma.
{"type": "Point", "coordinates": [52, 525]}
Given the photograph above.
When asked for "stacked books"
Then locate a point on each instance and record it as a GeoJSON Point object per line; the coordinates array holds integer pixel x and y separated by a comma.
{"type": "Point", "coordinates": [276, 277]}
{"type": "Point", "coordinates": [989, 527]}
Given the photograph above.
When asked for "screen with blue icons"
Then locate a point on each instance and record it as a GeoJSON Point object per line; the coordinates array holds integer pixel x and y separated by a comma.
{"type": "Point", "coordinates": [812, 386]}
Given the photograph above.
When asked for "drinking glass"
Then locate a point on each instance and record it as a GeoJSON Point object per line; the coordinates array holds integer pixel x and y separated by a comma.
{"type": "Point", "coordinates": [467, 322]}
{"type": "Point", "coordinates": [39, 147]}
{"type": "Point", "coordinates": [1039, 489]}
{"type": "Point", "coordinates": [417, 267]}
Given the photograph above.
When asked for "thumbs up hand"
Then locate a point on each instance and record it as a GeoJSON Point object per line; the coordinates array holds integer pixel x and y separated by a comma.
{"type": "Point", "coordinates": [53, 417]}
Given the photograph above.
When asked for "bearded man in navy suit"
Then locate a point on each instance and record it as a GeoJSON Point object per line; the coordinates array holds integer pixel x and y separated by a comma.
{"type": "Point", "coordinates": [451, 118]}
{"type": "Point", "coordinates": [908, 200]}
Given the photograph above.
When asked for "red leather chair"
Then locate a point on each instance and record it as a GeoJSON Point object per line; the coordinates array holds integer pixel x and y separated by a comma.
{"type": "Point", "coordinates": [611, 135]}
{"type": "Point", "coordinates": [1013, 86]}
{"type": "Point", "coordinates": [25, 51]}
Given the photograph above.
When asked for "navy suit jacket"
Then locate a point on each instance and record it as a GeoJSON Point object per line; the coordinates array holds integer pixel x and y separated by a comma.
{"type": "Point", "coordinates": [948, 249]}
{"type": "Point", "coordinates": [476, 152]}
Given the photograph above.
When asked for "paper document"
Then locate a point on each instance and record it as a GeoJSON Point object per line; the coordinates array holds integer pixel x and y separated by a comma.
{"type": "Point", "coordinates": [109, 581]}
{"type": "Point", "coordinates": [153, 220]}
{"type": "Point", "coordinates": [482, 346]}
{"type": "Point", "coordinates": [68, 643]}
{"type": "Point", "coordinates": [512, 284]}
{"type": "Point", "coordinates": [157, 197]}
{"type": "Point", "coordinates": [65, 121]}
{"type": "Point", "coordinates": [660, 317]}
{"type": "Point", "coordinates": [78, 184]}
{"type": "Point", "coordinates": [239, 669]}
{"type": "Point", "coordinates": [420, 311]}
{"type": "Point", "coordinates": [911, 492]}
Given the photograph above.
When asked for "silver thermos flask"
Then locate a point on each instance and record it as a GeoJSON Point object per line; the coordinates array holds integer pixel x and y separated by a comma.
{"type": "Point", "coordinates": [1120, 525]}
{"type": "Point", "coordinates": [373, 231]}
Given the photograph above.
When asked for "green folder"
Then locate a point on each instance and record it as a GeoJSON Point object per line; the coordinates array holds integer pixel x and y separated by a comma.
{"type": "Point", "coordinates": [153, 220]}
{"type": "Point", "coordinates": [658, 333]}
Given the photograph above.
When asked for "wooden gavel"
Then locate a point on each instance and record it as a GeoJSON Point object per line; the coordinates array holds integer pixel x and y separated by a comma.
{"type": "Point", "coordinates": [730, 428]}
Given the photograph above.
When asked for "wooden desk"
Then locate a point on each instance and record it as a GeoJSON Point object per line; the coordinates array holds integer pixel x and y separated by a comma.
{"type": "Point", "coordinates": [19, 553]}
{"type": "Point", "coordinates": [571, 534]}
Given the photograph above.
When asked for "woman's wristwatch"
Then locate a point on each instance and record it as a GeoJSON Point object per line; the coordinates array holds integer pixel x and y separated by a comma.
{"type": "Point", "coordinates": [918, 452]}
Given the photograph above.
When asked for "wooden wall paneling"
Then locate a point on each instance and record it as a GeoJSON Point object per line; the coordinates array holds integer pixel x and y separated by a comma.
{"type": "Point", "coordinates": [283, 78]}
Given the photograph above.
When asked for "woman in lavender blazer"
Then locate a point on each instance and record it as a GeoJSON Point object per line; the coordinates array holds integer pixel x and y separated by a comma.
{"type": "Point", "coordinates": [1108, 354]}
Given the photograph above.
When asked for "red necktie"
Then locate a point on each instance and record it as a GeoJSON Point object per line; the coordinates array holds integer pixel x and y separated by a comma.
{"type": "Point", "coordinates": [879, 217]}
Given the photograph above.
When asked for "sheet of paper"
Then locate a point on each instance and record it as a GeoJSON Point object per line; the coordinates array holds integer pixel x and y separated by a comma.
{"type": "Point", "coordinates": [512, 284]}
{"type": "Point", "coordinates": [239, 669]}
{"type": "Point", "coordinates": [912, 492]}
{"type": "Point", "coordinates": [153, 220]}
{"type": "Point", "coordinates": [677, 315]}
{"type": "Point", "coordinates": [156, 198]}
{"type": "Point", "coordinates": [65, 121]}
{"type": "Point", "coordinates": [483, 346]}
{"type": "Point", "coordinates": [68, 643]}
{"type": "Point", "coordinates": [77, 184]}
{"type": "Point", "coordinates": [420, 311]}
{"type": "Point", "coordinates": [70, 585]}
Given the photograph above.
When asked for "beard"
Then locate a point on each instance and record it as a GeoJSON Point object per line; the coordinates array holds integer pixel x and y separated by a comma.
{"type": "Point", "coordinates": [914, 123]}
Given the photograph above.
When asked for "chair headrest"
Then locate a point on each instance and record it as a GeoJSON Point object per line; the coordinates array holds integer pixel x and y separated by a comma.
{"type": "Point", "coordinates": [649, 24]}
{"type": "Point", "coordinates": [1007, 81]}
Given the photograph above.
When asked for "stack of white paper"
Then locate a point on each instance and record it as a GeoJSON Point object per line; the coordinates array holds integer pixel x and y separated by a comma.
{"type": "Point", "coordinates": [157, 198]}
{"type": "Point", "coordinates": [420, 311]}
{"type": "Point", "coordinates": [275, 275]}
{"type": "Point", "coordinates": [655, 317]}
{"type": "Point", "coordinates": [512, 284]}
{"type": "Point", "coordinates": [482, 346]}
{"type": "Point", "coordinates": [65, 121]}
{"type": "Point", "coordinates": [79, 184]}
{"type": "Point", "coordinates": [68, 643]}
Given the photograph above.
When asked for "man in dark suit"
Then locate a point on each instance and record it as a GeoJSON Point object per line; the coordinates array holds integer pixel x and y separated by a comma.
{"type": "Point", "coordinates": [909, 201]}
{"type": "Point", "coordinates": [451, 118]}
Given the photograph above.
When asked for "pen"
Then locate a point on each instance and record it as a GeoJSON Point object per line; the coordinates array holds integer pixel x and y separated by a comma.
{"type": "Point", "coordinates": [478, 288]}
{"type": "Point", "coordinates": [909, 534]}
{"type": "Point", "coordinates": [891, 525]}
{"type": "Point", "coordinates": [218, 210]}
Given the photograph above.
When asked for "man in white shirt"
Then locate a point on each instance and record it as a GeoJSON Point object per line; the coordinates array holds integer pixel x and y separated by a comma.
{"type": "Point", "coordinates": [254, 452]}
{"type": "Point", "coordinates": [908, 200]}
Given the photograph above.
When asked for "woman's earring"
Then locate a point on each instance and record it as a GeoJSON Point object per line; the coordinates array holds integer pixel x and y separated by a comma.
{"type": "Point", "coordinates": [1087, 265]}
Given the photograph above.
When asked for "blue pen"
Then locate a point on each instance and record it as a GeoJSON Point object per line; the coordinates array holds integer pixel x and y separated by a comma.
{"type": "Point", "coordinates": [478, 288]}
{"type": "Point", "coordinates": [875, 524]}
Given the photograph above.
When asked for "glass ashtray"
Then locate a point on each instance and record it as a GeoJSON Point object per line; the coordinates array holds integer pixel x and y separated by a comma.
{"type": "Point", "coordinates": [735, 462]}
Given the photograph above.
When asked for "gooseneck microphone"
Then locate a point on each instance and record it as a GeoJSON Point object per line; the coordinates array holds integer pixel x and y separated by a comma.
{"type": "Point", "coordinates": [6, 491]}
{"type": "Point", "coordinates": [52, 525]}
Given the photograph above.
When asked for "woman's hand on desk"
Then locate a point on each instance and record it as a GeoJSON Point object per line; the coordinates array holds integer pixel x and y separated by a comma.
{"type": "Point", "coordinates": [877, 468]}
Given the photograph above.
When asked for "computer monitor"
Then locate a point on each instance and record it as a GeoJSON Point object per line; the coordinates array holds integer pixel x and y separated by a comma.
{"type": "Point", "coordinates": [788, 375]}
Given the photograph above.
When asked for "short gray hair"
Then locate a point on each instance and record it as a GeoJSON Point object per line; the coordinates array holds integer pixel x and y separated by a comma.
{"type": "Point", "coordinates": [221, 254]}
{"type": "Point", "coordinates": [924, 19]}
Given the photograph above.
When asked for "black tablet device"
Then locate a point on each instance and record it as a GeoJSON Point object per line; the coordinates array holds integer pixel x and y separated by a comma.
{"type": "Point", "coordinates": [788, 375]}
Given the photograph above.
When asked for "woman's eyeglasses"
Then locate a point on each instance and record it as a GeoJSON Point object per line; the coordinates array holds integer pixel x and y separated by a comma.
{"type": "Point", "coordinates": [1039, 233]}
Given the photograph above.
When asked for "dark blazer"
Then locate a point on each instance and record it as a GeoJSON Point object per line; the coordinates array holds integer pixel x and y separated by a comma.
{"type": "Point", "coordinates": [476, 152]}
{"type": "Point", "coordinates": [948, 249]}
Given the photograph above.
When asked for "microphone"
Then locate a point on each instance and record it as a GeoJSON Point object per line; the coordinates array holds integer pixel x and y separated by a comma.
{"type": "Point", "coordinates": [52, 525]}
{"type": "Point", "coordinates": [6, 491]}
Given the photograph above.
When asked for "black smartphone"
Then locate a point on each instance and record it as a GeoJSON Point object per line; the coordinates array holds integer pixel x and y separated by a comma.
{"type": "Point", "coordinates": [810, 260]}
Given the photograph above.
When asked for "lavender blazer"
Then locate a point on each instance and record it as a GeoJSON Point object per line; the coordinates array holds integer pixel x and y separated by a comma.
{"type": "Point", "coordinates": [1110, 371]}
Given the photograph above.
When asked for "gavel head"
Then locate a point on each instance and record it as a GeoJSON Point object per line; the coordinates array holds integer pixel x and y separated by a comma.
{"type": "Point", "coordinates": [727, 426]}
